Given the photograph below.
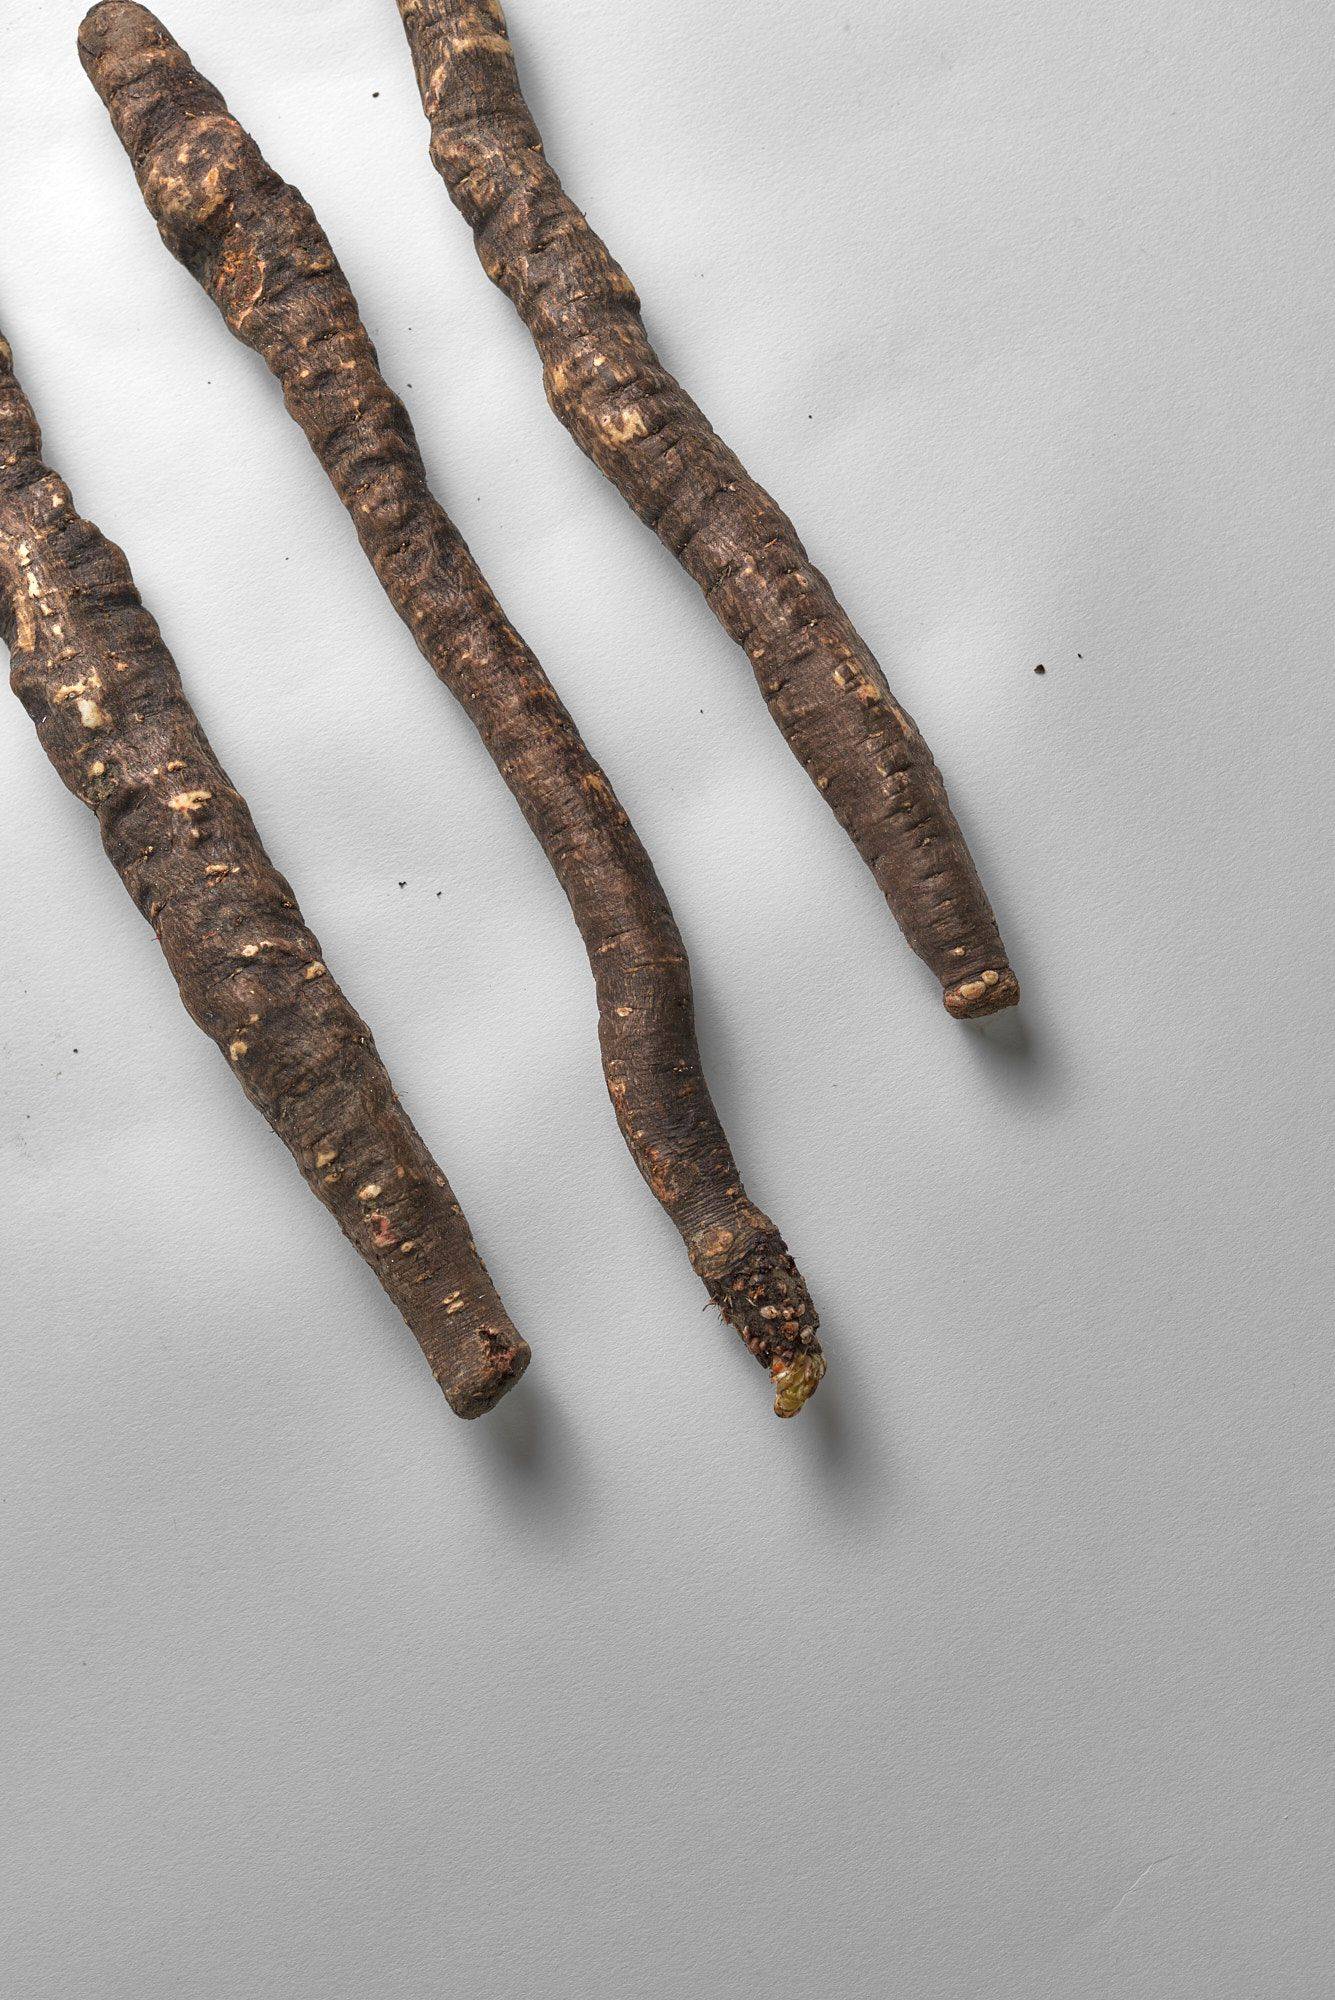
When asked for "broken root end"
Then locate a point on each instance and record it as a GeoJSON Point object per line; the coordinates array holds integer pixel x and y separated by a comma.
{"type": "Point", "coordinates": [759, 1290]}
{"type": "Point", "coordinates": [481, 1391]}
{"type": "Point", "coordinates": [796, 1381]}
{"type": "Point", "coordinates": [985, 993]}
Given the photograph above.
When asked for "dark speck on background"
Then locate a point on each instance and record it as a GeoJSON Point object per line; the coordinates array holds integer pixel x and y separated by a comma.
{"type": "Point", "coordinates": [1040, 670]}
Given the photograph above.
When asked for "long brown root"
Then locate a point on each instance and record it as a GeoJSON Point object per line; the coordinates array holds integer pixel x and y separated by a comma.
{"type": "Point", "coordinates": [819, 678]}
{"type": "Point", "coordinates": [258, 250]}
{"type": "Point", "coordinates": [90, 667]}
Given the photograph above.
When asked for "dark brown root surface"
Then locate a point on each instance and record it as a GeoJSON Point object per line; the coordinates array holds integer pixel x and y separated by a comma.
{"type": "Point", "coordinates": [819, 678]}
{"type": "Point", "coordinates": [258, 250]}
{"type": "Point", "coordinates": [90, 667]}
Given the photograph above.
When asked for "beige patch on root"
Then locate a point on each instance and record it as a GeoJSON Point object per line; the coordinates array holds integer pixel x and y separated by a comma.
{"type": "Point", "coordinates": [239, 1049]}
{"type": "Point", "coordinates": [494, 45]}
{"type": "Point", "coordinates": [625, 428]}
{"type": "Point", "coordinates": [189, 802]}
{"type": "Point", "coordinates": [91, 684]}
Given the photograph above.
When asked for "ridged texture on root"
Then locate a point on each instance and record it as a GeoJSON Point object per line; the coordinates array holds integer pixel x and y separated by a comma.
{"type": "Point", "coordinates": [819, 678]}
{"type": "Point", "coordinates": [92, 671]}
{"type": "Point", "coordinates": [258, 250]}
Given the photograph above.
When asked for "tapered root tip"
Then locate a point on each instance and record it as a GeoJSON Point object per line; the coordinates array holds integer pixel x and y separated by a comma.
{"type": "Point", "coordinates": [796, 1382]}
{"type": "Point", "coordinates": [989, 992]}
{"type": "Point", "coordinates": [483, 1389]}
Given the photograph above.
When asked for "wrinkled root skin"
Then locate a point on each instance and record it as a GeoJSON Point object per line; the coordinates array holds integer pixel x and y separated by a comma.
{"type": "Point", "coordinates": [258, 250]}
{"type": "Point", "coordinates": [90, 667]}
{"type": "Point", "coordinates": [604, 381]}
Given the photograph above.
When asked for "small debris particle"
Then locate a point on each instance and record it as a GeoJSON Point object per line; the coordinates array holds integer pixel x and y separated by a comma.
{"type": "Point", "coordinates": [1040, 670]}
{"type": "Point", "coordinates": [403, 885]}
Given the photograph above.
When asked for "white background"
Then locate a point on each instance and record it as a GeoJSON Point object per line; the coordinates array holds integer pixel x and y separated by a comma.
{"type": "Point", "coordinates": [1005, 1671]}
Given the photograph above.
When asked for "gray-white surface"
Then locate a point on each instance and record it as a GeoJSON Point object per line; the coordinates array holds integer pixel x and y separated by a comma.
{"type": "Point", "coordinates": [1005, 1671]}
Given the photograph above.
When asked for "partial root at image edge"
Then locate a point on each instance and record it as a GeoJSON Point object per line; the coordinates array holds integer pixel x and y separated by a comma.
{"type": "Point", "coordinates": [91, 668]}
